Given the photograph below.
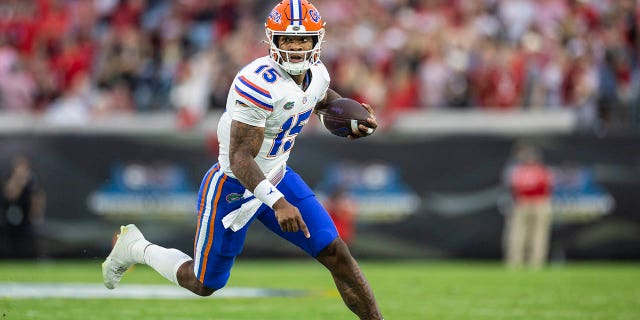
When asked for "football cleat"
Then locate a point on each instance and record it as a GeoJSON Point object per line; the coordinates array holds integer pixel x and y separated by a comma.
{"type": "Point", "coordinates": [127, 251]}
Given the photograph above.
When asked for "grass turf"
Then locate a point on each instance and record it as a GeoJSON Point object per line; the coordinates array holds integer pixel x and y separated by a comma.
{"type": "Point", "coordinates": [405, 290]}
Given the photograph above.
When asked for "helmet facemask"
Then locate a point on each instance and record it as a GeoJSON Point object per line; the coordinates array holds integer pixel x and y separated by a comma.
{"type": "Point", "coordinates": [283, 57]}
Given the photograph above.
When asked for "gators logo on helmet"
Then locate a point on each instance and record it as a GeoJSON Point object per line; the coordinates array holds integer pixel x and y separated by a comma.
{"type": "Point", "coordinates": [315, 15]}
{"type": "Point", "coordinates": [275, 16]}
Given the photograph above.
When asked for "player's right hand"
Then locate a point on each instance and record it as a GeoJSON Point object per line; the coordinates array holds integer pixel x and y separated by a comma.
{"type": "Point", "coordinates": [364, 131]}
{"type": "Point", "coordinates": [289, 217]}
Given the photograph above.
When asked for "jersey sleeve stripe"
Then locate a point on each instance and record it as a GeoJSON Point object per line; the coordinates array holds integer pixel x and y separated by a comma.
{"type": "Point", "coordinates": [253, 99]}
{"type": "Point", "coordinates": [254, 87]}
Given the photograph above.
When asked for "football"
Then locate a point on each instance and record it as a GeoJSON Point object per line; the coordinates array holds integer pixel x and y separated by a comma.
{"type": "Point", "coordinates": [342, 116]}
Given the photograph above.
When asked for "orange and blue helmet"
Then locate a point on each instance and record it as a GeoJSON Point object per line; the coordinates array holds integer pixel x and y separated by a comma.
{"type": "Point", "coordinates": [295, 18]}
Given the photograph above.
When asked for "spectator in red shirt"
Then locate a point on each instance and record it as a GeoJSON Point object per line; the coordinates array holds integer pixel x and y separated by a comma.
{"type": "Point", "coordinates": [342, 209]}
{"type": "Point", "coordinates": [528, 226]}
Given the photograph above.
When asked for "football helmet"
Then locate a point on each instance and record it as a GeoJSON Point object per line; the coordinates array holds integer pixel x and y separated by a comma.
{"type": "Point", "coordinates": [295, 18]}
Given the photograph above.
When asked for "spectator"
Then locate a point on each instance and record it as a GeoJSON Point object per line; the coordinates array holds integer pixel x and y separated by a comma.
{"type": "Point", "coordinates": [75, 106]}
{"type": "Point", "coordinates": [528, 225]}
{"type": "Point", "coordinates": [434, 73]}
{"type": "Point", "coordinates": [499, 54]}
{"type": "Point", "coordinates": [190, 93]}
{"type": "Point", "coordinates": [22, 203]}
{"type": "Point", "coordinates": [17, 86]}
{"type": "Point", "coordinates": [342, 210]}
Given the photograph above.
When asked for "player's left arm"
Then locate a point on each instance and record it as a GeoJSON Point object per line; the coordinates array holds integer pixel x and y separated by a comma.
{"type": "Point", "coordinates": [329, 96]}
{"type": "Point", "coordinates": [363, 130]}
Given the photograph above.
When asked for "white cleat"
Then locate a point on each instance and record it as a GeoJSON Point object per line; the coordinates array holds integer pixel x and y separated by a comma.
{"type": "Point", "coordinates": [128, 250]}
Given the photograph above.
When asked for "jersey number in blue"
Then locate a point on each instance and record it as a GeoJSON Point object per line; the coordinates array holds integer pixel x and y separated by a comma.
{"type": "Point", "coordinates": [288, 132]}
{"type": "Point", "coordinates": [269, 75]}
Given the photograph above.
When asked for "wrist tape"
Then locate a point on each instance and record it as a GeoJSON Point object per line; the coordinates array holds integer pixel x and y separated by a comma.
{"type": "Point", "coordinates": [267, 193]}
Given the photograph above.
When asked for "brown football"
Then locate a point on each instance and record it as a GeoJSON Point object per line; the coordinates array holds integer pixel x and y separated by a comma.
{"type": "Point", "coordinates": [342, 116]}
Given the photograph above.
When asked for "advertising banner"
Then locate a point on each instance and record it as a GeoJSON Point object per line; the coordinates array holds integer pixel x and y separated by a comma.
{"type": "Point", "coordinates": [442, 197]}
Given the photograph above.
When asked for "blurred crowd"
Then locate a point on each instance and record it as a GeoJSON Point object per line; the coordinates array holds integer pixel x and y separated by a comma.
{"type": "Point", "coordinates": [72, 60]}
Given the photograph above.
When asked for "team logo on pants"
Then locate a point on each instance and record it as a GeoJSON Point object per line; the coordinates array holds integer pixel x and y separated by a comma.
{"type": "Point", "coordinates": [232, 197]}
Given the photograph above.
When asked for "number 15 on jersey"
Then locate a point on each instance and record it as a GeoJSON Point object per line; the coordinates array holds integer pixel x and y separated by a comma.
{"type": "Point", "coordinates": [284, 141]}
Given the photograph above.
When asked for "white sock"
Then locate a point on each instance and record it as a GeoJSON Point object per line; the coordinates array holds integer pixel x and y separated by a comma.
{"type": "Point", "coordinates": [137, 250]}
{"type": "Point", "coordinates": [165, 261]}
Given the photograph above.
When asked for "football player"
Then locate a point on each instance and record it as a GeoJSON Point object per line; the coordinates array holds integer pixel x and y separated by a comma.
{"type": "Point", "coordinates": [269, 102]}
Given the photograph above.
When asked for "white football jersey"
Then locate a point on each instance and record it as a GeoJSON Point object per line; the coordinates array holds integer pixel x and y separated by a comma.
{"type": "Point", "coordinates": [263, 95]}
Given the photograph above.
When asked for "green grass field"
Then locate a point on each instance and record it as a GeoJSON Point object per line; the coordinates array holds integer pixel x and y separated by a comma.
{"type": "Point", "coordinates": [404, 289]}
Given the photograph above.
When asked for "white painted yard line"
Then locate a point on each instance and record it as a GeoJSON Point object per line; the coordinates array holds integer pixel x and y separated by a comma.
{"type": "Point", "coordinates": [25, 290]}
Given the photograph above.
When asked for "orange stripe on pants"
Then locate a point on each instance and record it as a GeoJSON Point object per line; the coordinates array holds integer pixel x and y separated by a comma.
{"type": "Point", "coordinates": [211, 228]}
{"type": "Point", "coordinates": [202, 205]}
